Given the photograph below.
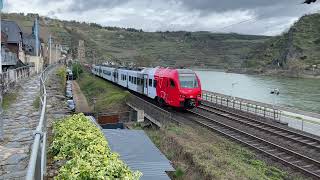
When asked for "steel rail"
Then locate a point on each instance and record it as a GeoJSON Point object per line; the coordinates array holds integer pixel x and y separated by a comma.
{"type": "Point", "coordinates": [274, 129]}
{"type": "Point", "coordinates": [236, 134]}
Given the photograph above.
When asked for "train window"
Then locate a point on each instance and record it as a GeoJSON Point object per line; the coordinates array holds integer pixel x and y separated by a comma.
{"type": "Point", "coordinates": [130, 78]}
{"type": "Point", "coordinates": [188, 80]}
{"type": "Point", "coordinates": [135, 80]}
{"type": "Point", "coordinates": [150, 82]}
{"type": "Point", "coordinates": [138, 81]}
{"type": "Point", "coordinates": [146, 82]}
{"type": "Point", "coordinates": [125, 77]}
{"type": "Point", "coordinates": [172, 83]}
{"type": "Point", "coordinates": [155, 83]}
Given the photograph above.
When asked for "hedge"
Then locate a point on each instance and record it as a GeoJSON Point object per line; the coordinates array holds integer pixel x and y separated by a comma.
{"type": "Point", "coordinates": [85, 151]}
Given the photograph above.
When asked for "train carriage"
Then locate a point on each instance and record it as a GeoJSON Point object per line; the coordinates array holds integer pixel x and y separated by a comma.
{"type": "Point", "coordinates": [174, 87]}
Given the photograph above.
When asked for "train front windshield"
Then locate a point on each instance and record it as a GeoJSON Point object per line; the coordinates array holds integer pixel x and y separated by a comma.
{"type": "Point", "coordinates": [188, 80]}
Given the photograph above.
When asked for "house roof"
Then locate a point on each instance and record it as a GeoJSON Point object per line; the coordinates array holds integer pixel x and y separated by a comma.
{"type": "Point", "coordinates": [139, 153]}
{"type": "Point", "coordinates": [12, 30]}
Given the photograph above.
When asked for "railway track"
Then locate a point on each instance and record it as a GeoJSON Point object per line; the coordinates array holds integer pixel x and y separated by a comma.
{"type": "Point", "coordinates": [281, 132]}
{"type": "Point", "coordinates": [305, 164]}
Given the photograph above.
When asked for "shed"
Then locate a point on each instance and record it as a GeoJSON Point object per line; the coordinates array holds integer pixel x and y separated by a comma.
{"type": "Point", "coordinates": [139, 153]}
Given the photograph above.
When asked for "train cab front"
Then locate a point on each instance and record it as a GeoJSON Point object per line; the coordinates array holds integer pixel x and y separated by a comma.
{"type": "Point", "coordinates": [190, 90]}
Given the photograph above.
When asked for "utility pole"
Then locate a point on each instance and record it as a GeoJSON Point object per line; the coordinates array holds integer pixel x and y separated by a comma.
{"type": "Point", "coordinates": [36, 31]}
{"type": "Point", "coordinates": [50, 49]}
{"type": "Point", "coordinates": [1, 5]}
{"type": "Point", "coordinates": [56, 45]}
{"type": "Point", "coordinates": [1, 119]}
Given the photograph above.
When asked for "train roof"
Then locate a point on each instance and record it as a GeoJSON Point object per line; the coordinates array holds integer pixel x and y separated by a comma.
{"type": "Point", "coordinates": [185, 71]}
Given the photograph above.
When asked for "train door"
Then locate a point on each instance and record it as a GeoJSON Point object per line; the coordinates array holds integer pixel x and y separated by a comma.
{"type": "Point", "coordinates": [117, 76]}
{"type": "Point", "coordinates": [145, 84]}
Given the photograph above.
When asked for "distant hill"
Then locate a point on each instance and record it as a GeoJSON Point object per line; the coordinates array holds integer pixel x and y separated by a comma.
{"type": "Point", "coordinates": [201, 49]}
{"type": "Point", "coordinates": [294, 52]}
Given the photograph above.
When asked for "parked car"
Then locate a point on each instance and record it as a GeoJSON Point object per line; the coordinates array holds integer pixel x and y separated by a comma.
{"type": "Point", "coordinates": [69, 83]}
{"type": "Point", "coordinates": [69, 94]}
{"type": "Point", "coordinates": [69, 89]}
{"type": "Point", "coordinates": [71, 105]}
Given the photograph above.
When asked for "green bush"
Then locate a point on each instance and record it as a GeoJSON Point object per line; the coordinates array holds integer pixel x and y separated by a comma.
{"type": "Point", "coordinates": [82, 145]}
{"type": "Point", "coordinates": [76, 70]}
{"type": "Point", "coordinates": [62, 74]}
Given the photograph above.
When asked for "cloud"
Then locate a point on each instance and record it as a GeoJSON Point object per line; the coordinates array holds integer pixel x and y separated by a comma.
{"type": "Point", "coordinates": [246, 16]}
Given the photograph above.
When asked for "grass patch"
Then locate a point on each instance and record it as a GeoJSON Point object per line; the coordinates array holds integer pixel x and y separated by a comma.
{"type": "Point", "coordinates": [8, 99]}
{"type": "Point", "coordinates": [198, 153]}
{"type": "Point", "coordinates": [36, 102]}
{"type": "Point", "coordinates": [62, 74]}
{"type": "Point", "coordinates": [108, 96]}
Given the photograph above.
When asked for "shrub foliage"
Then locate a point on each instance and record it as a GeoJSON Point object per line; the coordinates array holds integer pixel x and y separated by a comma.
{"type": "Point", "coordinates": [86, 153]}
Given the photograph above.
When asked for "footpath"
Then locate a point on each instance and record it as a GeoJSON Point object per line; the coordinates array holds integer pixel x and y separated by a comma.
{"type": "Point", "coordinates": [80, 99]}
{"type": "Point", "coordinates": [20, 121]}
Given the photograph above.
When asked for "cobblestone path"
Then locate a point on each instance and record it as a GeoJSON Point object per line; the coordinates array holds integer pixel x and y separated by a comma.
{"type": "Point", "coordinates": [20, 120]}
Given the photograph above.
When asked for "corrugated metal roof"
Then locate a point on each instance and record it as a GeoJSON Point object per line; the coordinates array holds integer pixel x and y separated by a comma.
{"type": "Point", "coordinates": [139, 153]}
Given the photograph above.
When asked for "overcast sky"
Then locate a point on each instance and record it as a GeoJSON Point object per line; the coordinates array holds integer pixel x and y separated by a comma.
{"type": "Point", "coordinates": [265, 17]}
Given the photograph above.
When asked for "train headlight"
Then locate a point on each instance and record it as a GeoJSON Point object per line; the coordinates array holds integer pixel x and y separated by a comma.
{"type": "Point", "coordinates": [182, 96]}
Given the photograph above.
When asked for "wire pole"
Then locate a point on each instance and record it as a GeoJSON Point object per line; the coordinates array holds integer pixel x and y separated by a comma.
{"type": "Point", "coordinates": [37, 36]}
{"type": "Point", "coordinates": [0, 48]}
{"type": "Point", "coordinates": [56, 45]}
{"type": "Point", "coordinates": [1, 81]}
{"type": "Point", "coordinates": [50, 49]}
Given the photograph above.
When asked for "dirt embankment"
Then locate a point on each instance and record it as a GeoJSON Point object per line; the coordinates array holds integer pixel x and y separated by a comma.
{"type": "Point", "coordinates": [79, 98]}
{"type": "Point", "coordinates": [198, 153]}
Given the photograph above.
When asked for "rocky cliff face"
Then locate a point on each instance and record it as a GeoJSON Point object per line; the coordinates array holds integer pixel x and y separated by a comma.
{"type": "Point", "coordinates": [296, 51]}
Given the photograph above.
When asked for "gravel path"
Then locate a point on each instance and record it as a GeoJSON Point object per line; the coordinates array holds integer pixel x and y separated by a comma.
{"type": "Point", "coordinates": [79, 98]}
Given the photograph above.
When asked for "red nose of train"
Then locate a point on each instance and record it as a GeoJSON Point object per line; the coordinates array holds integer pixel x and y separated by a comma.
{"type": "Point", "coordinates": [190, 98]}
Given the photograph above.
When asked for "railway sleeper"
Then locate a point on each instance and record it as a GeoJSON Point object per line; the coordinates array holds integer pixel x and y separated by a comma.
{"type": "Point", "coordinates": [307, 166]}
{"type": "Point", "coordinates": [317, 171]}
{"type": "Point", "coordinates": [287, 157]}
{"type": "Point", "coordinates": [312, 143]}
{"type": "Point", "coordinates": [296, 162]}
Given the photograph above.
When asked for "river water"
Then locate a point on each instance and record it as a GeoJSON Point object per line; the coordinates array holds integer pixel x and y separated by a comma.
{"type": "Point", "coordinates": [300, 93]}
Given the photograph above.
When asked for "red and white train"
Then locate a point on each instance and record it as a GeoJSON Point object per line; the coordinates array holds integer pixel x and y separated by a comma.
{"type": "Point", "coordinates": [173, 87]}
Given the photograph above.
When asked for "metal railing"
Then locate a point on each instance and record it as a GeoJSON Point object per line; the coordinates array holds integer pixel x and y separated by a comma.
{"type": "Point", "coordinates": [242, 105]}
{"type": "Point", "coordinates": [37, 162]}
{"type": "Point", "coordinates": [161, 115]}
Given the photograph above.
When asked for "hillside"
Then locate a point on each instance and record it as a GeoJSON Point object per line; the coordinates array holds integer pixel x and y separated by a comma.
{"type": "Point", "coordinates": [201, 49]}
{"type": "Point", "coordinates": [295, 52]}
